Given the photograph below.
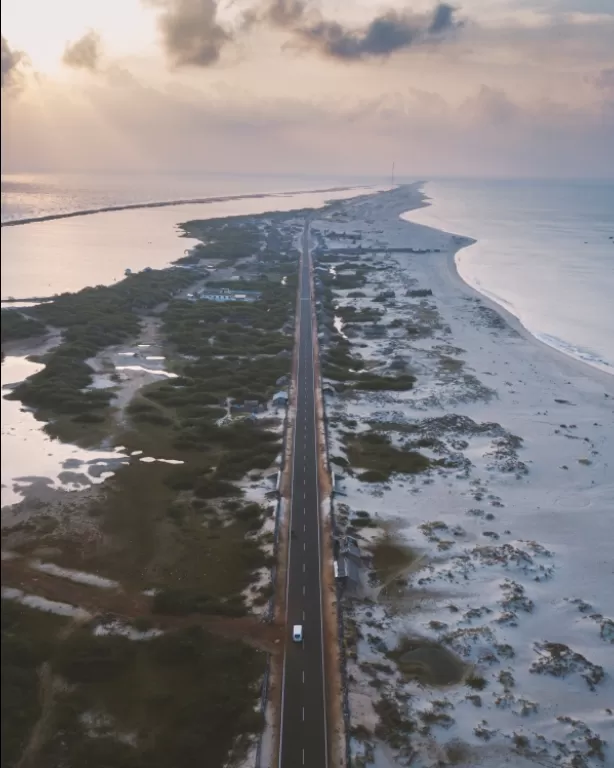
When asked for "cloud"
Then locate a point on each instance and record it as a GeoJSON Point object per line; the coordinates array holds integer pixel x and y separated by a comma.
{"type": "Point", "coordinates": [84, 53]}
{"type": "Point", "coordinates": [191, 33]}
{"type": "Point", "coordinates": [384, 35]}
{"type": "Point", "coordinates": [119, 122]}
{"type": "Point", "coordinates": [605, 80]}
{"type": "Point", "coordinates": [193, 36]}
{"type": "Point", "coordinates": [11, 74]}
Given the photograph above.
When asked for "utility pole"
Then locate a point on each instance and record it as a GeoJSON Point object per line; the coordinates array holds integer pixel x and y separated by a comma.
{"type": "Point", "coordinates": [392, 175]}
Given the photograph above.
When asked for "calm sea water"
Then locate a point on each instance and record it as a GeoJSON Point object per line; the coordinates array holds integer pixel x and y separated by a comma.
{"type": "Point", "coordinates": [42, 258]}
{"type": "Point", "coordinates": [544, 250]}
{"type": "Point", "coordinates": [34, 195]}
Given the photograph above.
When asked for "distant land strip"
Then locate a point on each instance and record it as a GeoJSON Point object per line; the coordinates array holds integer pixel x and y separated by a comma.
{"type": "Point", "coordinates": [166, 203]}
{"type": "Point", "coordinates": [39, 299]}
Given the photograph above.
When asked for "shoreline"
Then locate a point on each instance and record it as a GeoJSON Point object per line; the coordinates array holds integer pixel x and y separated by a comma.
{"type": "Point", "coordinates": [575, 364]}
{"type": "Point", "coordinates": [585, 356]}
{"type": "Point", "coordinates": [451, 271]}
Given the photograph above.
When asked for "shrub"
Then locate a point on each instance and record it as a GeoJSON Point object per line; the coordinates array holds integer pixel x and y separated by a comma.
{"type": "Point", "coordinates": [374, 476]}
{"type": "Point", "coordinates": [182, 602]}
{"type": "Point", "coordinates": [153, 417]}
{"type": "Point", "coordinates": [89, 418]}
{"type": "Point", "coordinates": [477, 682]}
{"type": "Point", "coordinates": [213, 488]}
{"type": "Point", "coordinates": [16, 325]}
{"type": "Point", "coordinates": [85, 658]}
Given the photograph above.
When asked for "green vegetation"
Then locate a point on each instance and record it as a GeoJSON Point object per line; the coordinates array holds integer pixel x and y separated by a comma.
{"type": "Point", "coordinates": [239, 238]}
{"type": "Point", "coordinates": [183, 602]}
{"type": "Point", "coordinates": [374, 452]}
{"type": "Point", "coordinates": [340, 365]}
{"type": "Point", "coordinates": [228, 239]}
{"type": "Point", "coordinates": [392, 727]}
{"type": "Point", "coordinates": [477, 682]}
{"type": "Point", "coordinates": [16, 325]}
{"type": "Point", "coordinates": [427, 661]}
{"type": "Point", "coordinates": [350, 314]}
{"type": "Point", "coordinates": [390, 558]}
{"type": "Point", "coordinates": [362, 519]}
{"type": "Point", "coordinates": [374, 476]}
{"type": "Point", "coordinates": [208, 330]}
{"type": "Point", "coordinates": [373, 382]}
{"type": "Point", "coordinates": [91, 319]}
{"type": "Point", "coordinates": [27, 642]}
{"type": "Point", "coordinates": [164, 702]}
{"type": "Point", "coordinates": [346, 281]}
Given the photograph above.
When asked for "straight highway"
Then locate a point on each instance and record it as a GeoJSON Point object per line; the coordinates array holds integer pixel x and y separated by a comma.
{"type": "Point", "coordinates": [303, 726]}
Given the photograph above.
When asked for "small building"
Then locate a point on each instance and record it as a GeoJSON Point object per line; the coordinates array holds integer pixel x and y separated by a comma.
{"type": "Point", "coordinates": [338, 487]}
{"type": "Point", "coordinates": [347, 573]}
{"type": "Point", "coordinates": [249, 406]}
{"type": "Point", "coordinates": [280, 399]}
{"type": "Point", "coordinates": [225, 294]}
{"type": "Point", "coordinates": [348, 547]}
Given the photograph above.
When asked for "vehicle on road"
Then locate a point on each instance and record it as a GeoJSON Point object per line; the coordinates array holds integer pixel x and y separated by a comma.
{"type": "Point", "coordinates": [297, 633]}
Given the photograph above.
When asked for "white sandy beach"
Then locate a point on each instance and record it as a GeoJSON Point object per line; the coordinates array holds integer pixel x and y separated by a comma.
{"type": "Point", "coordinates": [516, 565]}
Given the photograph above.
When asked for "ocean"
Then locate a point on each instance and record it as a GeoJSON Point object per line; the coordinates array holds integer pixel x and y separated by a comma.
{"type": "Point", "coordinates": [544, 251]}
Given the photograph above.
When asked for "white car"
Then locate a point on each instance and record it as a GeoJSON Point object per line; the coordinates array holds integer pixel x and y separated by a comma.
{"type": "Point", "coordinates": [297, 633]}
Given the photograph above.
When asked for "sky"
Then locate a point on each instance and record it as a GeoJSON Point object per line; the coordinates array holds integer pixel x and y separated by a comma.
{"type": "Point", "coordinates": [503, 88]}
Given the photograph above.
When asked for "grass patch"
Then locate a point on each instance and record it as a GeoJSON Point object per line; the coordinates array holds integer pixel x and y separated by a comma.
{"type": "Point", "coordinates": [91, 320]}
{"type": "Point", "coordinates": [28, 639]}
{"type": "Point", "coordinates": [392, 727]}
{"type": "Point", "coordinates": [181, 696]}
{"type": "Point", "coordinates": [427, 661]}
{"type": "Point", "coordinates": [390, 558]}
{"type": "Point", "coordinates": [476, 682]}
{"type": "Point", "coordinates": [373, 383]}
{"type": "Point", "coordinates": [16, 325]}
{"type": "Point", "coordinates": [374, 452]}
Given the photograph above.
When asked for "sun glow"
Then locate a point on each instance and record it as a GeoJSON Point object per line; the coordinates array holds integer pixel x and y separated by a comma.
{"type": "Point", "coordinates": [42, 28]}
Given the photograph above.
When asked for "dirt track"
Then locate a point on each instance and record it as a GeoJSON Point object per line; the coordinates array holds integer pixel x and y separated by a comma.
{"type": "Point", "coordinates": [132, 605]}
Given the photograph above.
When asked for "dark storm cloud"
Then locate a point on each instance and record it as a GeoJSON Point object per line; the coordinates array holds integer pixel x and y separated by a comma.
{"type": "Point", "coordinates": [84, 53]}
{"type": "Point", "coordinates": [382, 36]}
{"type": "Point", "coordinates": [191, 33]}
{"type": "Point", "coordinates": [10, 62]}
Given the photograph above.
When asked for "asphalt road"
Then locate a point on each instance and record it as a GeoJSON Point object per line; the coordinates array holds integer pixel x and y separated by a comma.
{"type": "Point", "coordinates": [303, 737]}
